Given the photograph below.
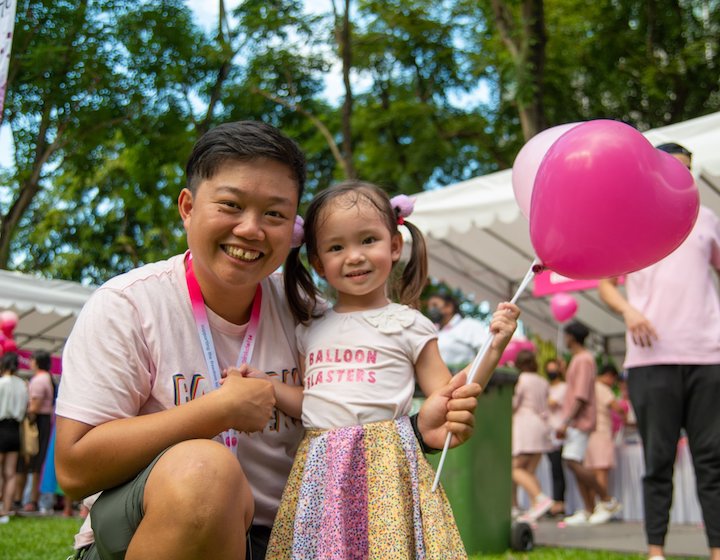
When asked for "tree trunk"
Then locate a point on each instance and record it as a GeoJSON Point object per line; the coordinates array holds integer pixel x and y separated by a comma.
{"type": "Point", "coordinates": [343, 36]}
{"type": "Point", "coordinates": [526, 44]}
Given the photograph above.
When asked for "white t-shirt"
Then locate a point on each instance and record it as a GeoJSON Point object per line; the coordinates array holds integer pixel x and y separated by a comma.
{"type": "Point", "coordinates": [359, 366]}
{"type": "Point", "coordinates": [13, 398]}
{"type": "Point", "coordinates": [461, 339]}
{"type": "Point", "coordinates": [135, 350]}
{"type": "Point", "coordinates": [679, 297]}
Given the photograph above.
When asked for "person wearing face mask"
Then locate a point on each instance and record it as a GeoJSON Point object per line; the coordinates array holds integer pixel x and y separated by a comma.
{"type": "Point", "coordinates": [553, 371]}
{"type": "Point", "coordinates": [459, 338]}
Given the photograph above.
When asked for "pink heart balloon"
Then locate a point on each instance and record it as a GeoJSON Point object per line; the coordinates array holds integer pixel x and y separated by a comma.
{"type": "Point", "coordinates": [606, 202]}
{"type": "Point", "coordinates": [563, 307]}
{"type": "Point", "coordinates": [528, 160]}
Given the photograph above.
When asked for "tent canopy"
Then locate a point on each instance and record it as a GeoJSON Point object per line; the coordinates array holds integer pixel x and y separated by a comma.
{"type": "Point", "coordinates": [479, 241]}
{"type": "Point", "coordinates": [46, 309]}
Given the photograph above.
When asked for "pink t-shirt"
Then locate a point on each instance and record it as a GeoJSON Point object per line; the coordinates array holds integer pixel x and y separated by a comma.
{"type": "Point", "coordinates": [580, 380]}
{"type": "Point", "coordinates": [530, 427]}
{"type": "Point", "coordinates": [359, 366]}
{"type": "Point", "coordinates": [678, 296]}
{"type": "Point", "coordinates": [135, 350]}
{"type": "Point", "coordinates": [41, 388]}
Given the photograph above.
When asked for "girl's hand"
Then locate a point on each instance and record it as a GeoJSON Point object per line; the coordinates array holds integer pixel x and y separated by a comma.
{"type": "Point", "coordinates": [243, 371]}
{"type": "Point", "coordinates": [503, 324]}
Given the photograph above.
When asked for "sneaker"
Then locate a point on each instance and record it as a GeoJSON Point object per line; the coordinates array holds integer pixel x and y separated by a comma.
{"type": "Point", "coordinates": [515, 512]}
{"type": "Point", "coordinates": [541, 506]}
{"type": "Point", "coordinates": [605, 511]}
{"type": "Point", "coordinates": [4, 519]}
{"type": "Point", "coordinates": [577, 519]}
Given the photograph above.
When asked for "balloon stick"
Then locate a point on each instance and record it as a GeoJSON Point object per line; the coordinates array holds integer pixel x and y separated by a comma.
{"type": "Point", "coordinates": [535, 268]}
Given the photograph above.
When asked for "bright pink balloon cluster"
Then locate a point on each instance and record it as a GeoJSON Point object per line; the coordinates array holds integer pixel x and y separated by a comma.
{"type": "Point", "coordinates": [8, 322]}
{"type": "Point", "coordinates": [563, 307]}
{"type": "Point", "coordinates": [604, 201]}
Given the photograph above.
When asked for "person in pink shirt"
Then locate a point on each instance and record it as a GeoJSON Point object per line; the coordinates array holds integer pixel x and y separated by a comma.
{"type": "Point", "coordinates": [189, 468]}
{"type": "Point", "coordinates": [600, 454]}
{"type": "Point", "coordinates": [530, 433]}
{"type": "Point", "coordinates": [580, 416]}
{"type": "Point", "coordinates": [40, 408]}
{"type": "Point", "coordinates": [672, 315]}
{"type": "Point", "coordinates": [556, 396]}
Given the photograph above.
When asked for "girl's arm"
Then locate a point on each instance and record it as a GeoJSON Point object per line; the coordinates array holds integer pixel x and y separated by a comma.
{"type": "Point", "coordinates": [430, 370]}
{"type": "Point", "coordinates": [502, 327]}
{"type": "Point", "coordinates": [288, 398]}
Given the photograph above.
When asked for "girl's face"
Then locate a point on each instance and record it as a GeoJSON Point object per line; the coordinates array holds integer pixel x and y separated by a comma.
{"type": "Point", "coordinates": [355, 252]}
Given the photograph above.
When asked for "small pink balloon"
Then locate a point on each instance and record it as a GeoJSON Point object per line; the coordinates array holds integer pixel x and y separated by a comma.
{"type": "Point", "coordinates": [563, 307]}
{"type": "Point", "coordinates": [513, 348]}
{"type": "Point", "coordinates": [606, 202]}
{"type": "Point", "coordinates": [528, 161]}
{"type": "Point", "coordinates": [8, 322]}
{"type": "Point", "coordinates": [9, 345]}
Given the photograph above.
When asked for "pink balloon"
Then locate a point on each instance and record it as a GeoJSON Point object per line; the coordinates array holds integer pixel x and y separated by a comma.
{"type": "Point", "coordinates": [8, 322]}
{"type": "Point", "coordinates": [528, 161]}
{"type": "Point", "coordinates": [9, 345]}
{"type": "Point", "coordinates": [607, 203]}
{"type": "Point", "coordinates": [513, 348]}
{"type": "Point", "coordinates": [563, 307]}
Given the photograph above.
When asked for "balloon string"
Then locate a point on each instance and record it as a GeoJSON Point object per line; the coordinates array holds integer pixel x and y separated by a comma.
{"type": "Point", "coordinates": [535, 268]}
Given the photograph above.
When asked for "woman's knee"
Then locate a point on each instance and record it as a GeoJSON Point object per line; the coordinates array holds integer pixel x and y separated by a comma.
{"type": "Point", "coordinates": [203, 476]}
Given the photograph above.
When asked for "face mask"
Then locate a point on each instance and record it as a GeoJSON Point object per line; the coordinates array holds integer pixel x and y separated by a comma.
{"type": "Point", "coordinates": [553, 375]}
{"type": "Point", "coordinates": [435, 315]}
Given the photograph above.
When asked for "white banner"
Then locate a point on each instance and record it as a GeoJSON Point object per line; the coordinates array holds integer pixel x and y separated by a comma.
{"type": "Point", "coordinates": [7, 25]}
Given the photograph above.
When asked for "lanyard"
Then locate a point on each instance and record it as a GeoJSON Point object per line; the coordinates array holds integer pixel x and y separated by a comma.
{"type": "Point", "coordinates": [230, 437]}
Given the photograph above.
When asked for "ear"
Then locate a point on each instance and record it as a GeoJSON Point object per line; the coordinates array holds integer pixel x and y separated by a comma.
{"type": "Point", "coordinates": [396, 247]}
{"type": "Point", "coordinates": [185, 205]}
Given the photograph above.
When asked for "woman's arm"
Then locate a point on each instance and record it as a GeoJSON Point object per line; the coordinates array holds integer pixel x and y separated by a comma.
{"type": "Point", "coordinates": [93, 458]}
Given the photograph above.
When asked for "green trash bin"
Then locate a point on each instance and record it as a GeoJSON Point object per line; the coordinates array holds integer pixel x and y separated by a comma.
{"type": "Point", "coordinates": [477, 475]}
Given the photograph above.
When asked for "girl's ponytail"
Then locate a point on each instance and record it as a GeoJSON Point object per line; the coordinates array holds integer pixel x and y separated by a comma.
{"type": "Point", "coordinates": [300, 289]}
{"type": "Point", "coordinates": [414, 275]}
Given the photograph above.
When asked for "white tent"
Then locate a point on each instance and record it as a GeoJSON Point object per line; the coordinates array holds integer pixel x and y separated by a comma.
{"type": "Point", "coordinates": [46, 309]}
{"type": "Point", "coordinates": [479, 241]}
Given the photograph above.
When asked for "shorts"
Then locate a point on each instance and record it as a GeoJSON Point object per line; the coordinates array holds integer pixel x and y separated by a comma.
{"type": "Point", "coordinates": [9, 435]}
{"type": "Point", "coordinates": [575, 446]}
{"type": "Point", "coordinates": [117, 513]}
{"type": "Point", "coordinates": [115, 516]}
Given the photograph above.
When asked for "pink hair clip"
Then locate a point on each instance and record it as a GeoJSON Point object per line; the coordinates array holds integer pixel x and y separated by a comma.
{"type": "Point", "coordinates": [403, 205]}
{"type": "Point", "coordinates": [298, 234]}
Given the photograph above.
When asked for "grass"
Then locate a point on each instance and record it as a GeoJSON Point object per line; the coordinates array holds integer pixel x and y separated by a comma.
{"type": "Point", "coordinates": [50, 538]}
{"type": "Point", "coordinates": [37, 538]}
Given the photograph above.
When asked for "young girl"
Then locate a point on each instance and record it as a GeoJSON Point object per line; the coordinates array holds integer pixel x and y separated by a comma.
{"type": "Point", "coordinates": [360, 485]}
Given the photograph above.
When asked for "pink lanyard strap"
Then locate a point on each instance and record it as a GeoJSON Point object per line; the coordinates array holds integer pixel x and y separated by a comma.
{"type": "Point", "coordinates": [206, 342]}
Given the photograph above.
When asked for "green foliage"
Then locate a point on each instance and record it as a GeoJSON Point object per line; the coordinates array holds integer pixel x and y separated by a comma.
{"type": "Point", "coordinates": [106, 98]}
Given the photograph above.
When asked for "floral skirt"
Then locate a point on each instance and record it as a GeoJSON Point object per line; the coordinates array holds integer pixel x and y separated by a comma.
{"type": "Point", "coordinates": [363, 492]}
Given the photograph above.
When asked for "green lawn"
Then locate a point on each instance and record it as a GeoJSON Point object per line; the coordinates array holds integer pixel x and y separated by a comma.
{"type": "Point", "coordinates": [50, 538]}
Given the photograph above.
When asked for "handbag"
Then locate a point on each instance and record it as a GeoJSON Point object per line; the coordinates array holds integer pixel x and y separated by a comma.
{"type": "Point", "coordinates": [29, 438]}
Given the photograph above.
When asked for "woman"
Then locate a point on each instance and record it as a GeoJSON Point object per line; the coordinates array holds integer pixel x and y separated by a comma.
{"type": "Point", "coordinates": [13, 403]}
{"type": "Point", "coordinates": [530, 433]}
